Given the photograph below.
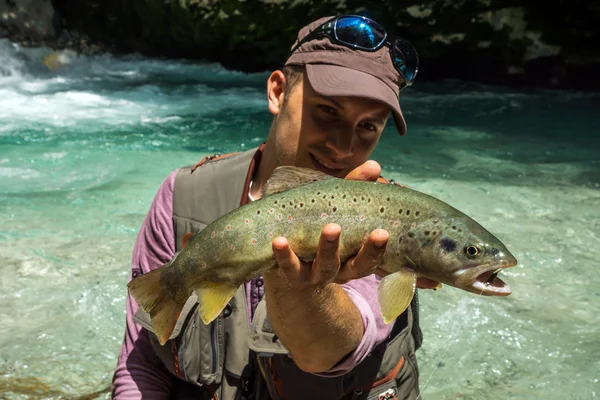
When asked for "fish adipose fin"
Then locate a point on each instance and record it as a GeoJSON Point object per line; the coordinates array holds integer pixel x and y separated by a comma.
{"type": "Point", "coordinates": [395, 292]}
{"type": "Point", "coordinates": [164, 311]}
{"type": "Point", "coordinates": [288, 177]}
{"type": "Point", "coordinates": [212, 299]}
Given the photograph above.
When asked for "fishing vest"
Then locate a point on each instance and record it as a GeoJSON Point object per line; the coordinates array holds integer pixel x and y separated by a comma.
{"type": "Point", "coordinates": [233, 359]}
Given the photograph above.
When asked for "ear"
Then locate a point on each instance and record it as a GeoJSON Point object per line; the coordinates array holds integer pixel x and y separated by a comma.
{"type": "Point", "coordinates": [275, 91]}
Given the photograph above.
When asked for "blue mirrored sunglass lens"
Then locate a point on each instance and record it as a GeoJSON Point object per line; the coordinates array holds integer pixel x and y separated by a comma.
{"type": "Point", "coordinates": [359, 32]}
{"type": "Point", "coordinates": [405, 58]}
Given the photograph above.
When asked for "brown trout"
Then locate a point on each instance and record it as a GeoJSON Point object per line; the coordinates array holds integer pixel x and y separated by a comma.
{"type": "Point", "coordinates": [428, 238]}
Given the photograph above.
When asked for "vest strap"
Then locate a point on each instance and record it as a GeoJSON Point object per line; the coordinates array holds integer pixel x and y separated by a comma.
{"type": "Point", "coordinates": [214, 157]}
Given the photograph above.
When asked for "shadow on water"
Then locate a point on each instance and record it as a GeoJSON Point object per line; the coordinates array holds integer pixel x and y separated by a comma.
{"type": "Point", "coordinates": [33, 388]}
{"type": "Point", "coordinates": [526, 143]}
{"type": "Point", "coordinates": [541, 138]}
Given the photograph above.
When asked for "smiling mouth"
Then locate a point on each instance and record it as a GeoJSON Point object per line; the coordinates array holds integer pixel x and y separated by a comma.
{"type": "Point", "coordinates": [325, 166]}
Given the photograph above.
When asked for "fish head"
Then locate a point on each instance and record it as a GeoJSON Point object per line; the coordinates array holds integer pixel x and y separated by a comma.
{"type": "Point", "coordinates": [461, 253]}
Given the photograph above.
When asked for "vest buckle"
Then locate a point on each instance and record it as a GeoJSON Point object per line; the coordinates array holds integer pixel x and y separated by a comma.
{"type": "Point", "coordinates": [387, 395]}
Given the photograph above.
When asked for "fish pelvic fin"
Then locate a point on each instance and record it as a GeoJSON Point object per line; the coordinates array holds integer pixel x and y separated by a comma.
{"type": "Point", "coordinates": [395, 292]}
{"type": "Point", "coordinates": [212, 299]}
{"type": "Point", "coordinates": [148, 292]}
{"type": "Point", "coordinates": [289, 177]}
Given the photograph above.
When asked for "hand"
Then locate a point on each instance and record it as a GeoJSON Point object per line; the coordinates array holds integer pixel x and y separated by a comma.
{"type": "Point", "coordinates": [326, 267]}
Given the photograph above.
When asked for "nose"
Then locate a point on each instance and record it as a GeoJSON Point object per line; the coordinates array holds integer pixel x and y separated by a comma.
{"type": "Point", "coordinates": [341, 143]}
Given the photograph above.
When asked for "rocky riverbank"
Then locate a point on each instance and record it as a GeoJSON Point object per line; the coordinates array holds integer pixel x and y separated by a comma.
{"type": "Point", "coordinates": [536, 43]}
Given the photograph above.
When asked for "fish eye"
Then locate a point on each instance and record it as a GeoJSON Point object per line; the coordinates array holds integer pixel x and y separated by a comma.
{"type": "Point", "coordinates": [471, 250]}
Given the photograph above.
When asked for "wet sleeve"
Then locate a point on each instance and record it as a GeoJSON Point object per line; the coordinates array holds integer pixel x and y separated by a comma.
{"type": "Point", "coordinates": [139, 373]}
{"type": "Point", "coordinates": [363, 292]}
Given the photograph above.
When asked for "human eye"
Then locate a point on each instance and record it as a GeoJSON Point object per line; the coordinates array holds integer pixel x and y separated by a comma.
{"type": "Point", "coordinates": [369, 127]}
{"type": "Point", "coordinates": [327, 109]}
{"type": "Point", "coordinates": [368, 131]}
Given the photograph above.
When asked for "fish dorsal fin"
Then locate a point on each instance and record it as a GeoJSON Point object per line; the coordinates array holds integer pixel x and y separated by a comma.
{"type": "Point", "coordinates": [288, 177]}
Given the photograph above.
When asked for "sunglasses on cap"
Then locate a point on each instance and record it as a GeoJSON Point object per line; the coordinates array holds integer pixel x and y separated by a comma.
{"type": "Point", "coordinates": [362, 33]}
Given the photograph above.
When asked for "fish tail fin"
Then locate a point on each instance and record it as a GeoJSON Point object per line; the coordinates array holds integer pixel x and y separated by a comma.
{"type": "Point", "coordinates": [395, 292]}
{"type": "Point", "coordinates": [163, 309]}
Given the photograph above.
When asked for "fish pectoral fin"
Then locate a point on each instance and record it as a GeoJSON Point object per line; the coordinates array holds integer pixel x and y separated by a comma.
{"type": "Point", "coordinates": [212, 299]}
{"type": "Point", "coordinates": [288, 177]}
{"type": "Point", "coordinates": [395, 293]}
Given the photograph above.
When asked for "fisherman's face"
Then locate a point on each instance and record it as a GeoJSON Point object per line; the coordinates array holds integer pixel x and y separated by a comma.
{"type": "Point", "coordinates": [330, 134]}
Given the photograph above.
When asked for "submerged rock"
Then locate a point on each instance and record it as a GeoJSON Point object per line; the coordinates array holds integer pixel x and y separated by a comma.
{"type": "Point", "coordinates": [549, 44]}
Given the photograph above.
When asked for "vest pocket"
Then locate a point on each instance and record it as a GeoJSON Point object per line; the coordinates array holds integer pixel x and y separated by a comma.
{"type": "Point", "coordinates": [201, 350]}
{"type": "Point", "coordinates": [407, 380]}
{"type": "Point", "coordinates": [194, 351]}
{"type": "Point", "coordinates": [265, 345]}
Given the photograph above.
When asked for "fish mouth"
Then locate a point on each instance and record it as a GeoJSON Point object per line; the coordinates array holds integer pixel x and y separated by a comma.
{"type": "Point", "coordinates": [484, 279]}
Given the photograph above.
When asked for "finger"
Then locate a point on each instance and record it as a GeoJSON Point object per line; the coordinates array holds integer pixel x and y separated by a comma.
{"type": "Point", "coordinates": [290, 266]}
{"type": "Point", "coordinates": [327, 260]}
{"type": "Point", "coordinates": [368, 258]}
{"type": "Point", "coordinates": [369, 171]}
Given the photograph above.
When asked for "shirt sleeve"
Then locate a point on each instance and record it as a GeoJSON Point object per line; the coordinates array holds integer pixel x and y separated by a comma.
{"type": "Point", "coordinates": [139, 372]}
{"type": "Point", "coordinates": [363, 292]}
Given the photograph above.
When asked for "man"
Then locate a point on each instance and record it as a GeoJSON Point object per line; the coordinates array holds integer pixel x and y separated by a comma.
{"type": "Point", "coordinates": [312, 329]}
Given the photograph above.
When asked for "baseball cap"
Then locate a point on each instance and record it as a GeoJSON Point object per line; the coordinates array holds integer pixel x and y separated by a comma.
{"type": "Point", "coordinates": [338, 70]}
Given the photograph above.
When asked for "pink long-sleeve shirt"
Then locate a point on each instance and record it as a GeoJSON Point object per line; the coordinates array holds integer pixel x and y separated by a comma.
{"type": "Point", "coordinates": [139, 372]}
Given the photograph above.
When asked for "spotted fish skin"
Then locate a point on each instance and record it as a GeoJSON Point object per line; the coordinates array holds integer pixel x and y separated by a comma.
{"type": "Point", "coordinates": [427, 238]}
{"type": "Point", "coordinates": [238, 246]}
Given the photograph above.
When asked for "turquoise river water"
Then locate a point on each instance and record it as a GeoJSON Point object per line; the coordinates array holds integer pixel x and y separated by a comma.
{"type": "Point", "coordinates": [83, 150]}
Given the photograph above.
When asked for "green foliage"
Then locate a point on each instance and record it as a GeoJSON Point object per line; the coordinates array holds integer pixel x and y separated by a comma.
{"type": "Point", "coordinates": [452, 36]}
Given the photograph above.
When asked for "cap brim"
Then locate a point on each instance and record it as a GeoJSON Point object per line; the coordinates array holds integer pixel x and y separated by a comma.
{"type": "Point", "coordinates": [334, 80]}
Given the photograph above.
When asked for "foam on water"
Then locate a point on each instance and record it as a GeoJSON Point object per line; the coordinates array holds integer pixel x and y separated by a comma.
{"type": "Point", "coordinates": [107, 92]}
{"type": "Point", "coordinates": [83, 149]}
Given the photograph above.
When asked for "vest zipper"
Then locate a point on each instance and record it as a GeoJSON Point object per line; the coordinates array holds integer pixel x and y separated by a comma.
{"type": "Point", "coordinates": [175, 352]}
{"type": "Point", "coordinates": [213, 346]}
{"type": "Point", "coordinates": [262, 370]}
{"type": "Point", "coordinates": [270, 386]}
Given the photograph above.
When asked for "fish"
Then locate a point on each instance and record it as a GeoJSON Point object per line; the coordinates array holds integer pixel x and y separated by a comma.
{"type": "Point", "coordinates": [427, 238]}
